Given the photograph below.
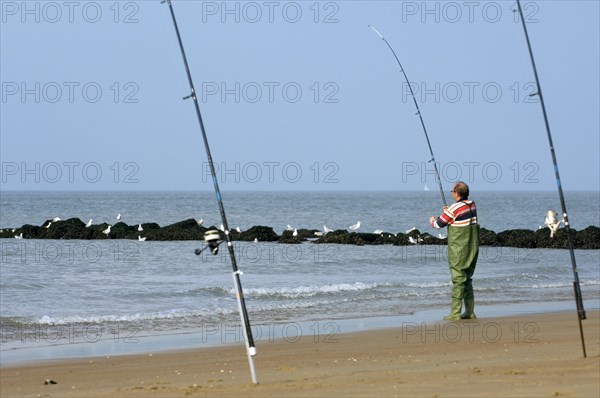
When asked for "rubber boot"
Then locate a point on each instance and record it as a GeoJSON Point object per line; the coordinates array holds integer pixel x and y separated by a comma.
{"type": "Point", "coordinates": [454, 310]}
{"type": "Point", "coordinates": [469, 309]}
{"type": "Point", "coordinates": [469, 301]}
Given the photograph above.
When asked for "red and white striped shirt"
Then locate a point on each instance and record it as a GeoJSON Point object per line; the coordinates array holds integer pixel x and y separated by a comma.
{"type": "Point", "coordinates": [461, 214]}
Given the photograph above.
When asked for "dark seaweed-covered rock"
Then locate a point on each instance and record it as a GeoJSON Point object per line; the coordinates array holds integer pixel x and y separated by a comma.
{"type": "Point", "coordinates": [123, 231]}
{"type": "Point", "coordinates": [29, 232]}
{"type": "Point", "coordinates": [433, 240]}
{"type": "Point", "coordinates": [302, 235]}
{"type": "Point", "coordinates": [487, 237]}
{"type": "Point", "coordinates": [96, 232]}
{"type": "Point", "coordinates": [308, 233]}
{"type": "Point", "coordinates": [368, 238]}
{"type": "Point", "coordinates": [415, 234]}
{"type": "Point", "coordinates": [74, 228]}
{"type": "Point", "coordinates": [150, 226]}
{"type": "Point", "coordinates": [259, 232]}
{"type": "Point", "coordinates": [343, 237]}
{"type": "Point", "coordinates": [412, 237]}
{"type": "Point", "coordinates": [183, 230]}
{"type": "Point", "coordinates": [385, 238]}
{"type": "Point", "coordinates": [559, 241]}
{"type": "Point", "coordinates": [401, 239]}
{"type": "Point", "coordinates": [543, 239]}
{"type": "Point", "coordinates": [288, 237]}
{"type": "Point", "coordinates": [589, 238]}
{"type": "Point", "coordinates": [331, 237]}
{"type": "Point", "coordinates": [524, 238]}
{"type": "Point", "coordinates": [561, 236]}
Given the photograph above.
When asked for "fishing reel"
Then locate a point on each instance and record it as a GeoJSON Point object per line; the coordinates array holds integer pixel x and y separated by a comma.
{"type": "Point", "coordinates": [552, 222]}
{"type": "Point", "coordinates": [212, 239]}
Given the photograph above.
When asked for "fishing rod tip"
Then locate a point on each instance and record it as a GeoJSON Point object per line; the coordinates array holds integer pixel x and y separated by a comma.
{"type": "Point", "coordinates": [376, 31]}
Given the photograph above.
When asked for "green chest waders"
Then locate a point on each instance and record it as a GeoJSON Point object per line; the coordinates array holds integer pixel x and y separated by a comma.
{"type": "Point", "coordinates": [463, 250]}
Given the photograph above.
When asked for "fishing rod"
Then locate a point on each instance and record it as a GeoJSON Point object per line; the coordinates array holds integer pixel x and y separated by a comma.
{"type": "Point", "coordinates": [250, 347]}
{"type": "Point", "coordinates": [576, 285]}
{"type": "Point", "coordinates": [437, 174]}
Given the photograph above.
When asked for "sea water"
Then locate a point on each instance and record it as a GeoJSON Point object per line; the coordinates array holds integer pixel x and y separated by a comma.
{"type": "Point", "coordinates": [79, 298]}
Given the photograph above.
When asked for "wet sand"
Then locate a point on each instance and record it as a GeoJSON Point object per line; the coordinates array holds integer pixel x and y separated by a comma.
{"type": "Point", "coordinates": [521, 356]}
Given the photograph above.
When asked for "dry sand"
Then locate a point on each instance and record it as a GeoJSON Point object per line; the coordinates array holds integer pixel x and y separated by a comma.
{"type": "Point", "coordinates": [524, 356]}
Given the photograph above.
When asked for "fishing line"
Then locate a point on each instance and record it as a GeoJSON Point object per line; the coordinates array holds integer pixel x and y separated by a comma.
{"type": "Point", "coordinates": [432, 160]}
{"type": "Point", "coordinates": [250, 347]}
{"type": "Point", "coordinates": [576, 285]}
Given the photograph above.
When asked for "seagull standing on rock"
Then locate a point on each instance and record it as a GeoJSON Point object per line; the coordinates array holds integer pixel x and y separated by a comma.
{"type": "Point", "coordinates": [355, 227]}
{"type": "Point", "coordinates": [107, 230]}
{"type": "Point", "coordinates": [119, 216]}
{"type": "Point", "coordinates": [327, 230]}
{"type": "Point", "coordinates": [140, 229]}
{"type": "Point", "coordinates": [89, 223]}
{"type": "Point", "coordinates": [295, 233]}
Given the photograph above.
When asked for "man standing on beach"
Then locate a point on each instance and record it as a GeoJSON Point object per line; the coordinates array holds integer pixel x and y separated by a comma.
{"type": "Point", "coordinates": [463, 249]}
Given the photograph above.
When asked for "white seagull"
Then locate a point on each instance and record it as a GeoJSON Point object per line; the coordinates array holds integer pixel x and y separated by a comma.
{"type": "Point", "coordinates": [355, 227]}
{"type": "Point", "coordinates": [239, 230]}
{"type": "Point", "coordinates": [55, 219]}
{"type": "Point", "coordinates": [119, 216]}
{"type": "Point", "coordinates": [327, 230]}
{"type": "Point", "coordinates": [222, 228]}
{"type": "Point", "coordinates": [140, 229]}
{"type": "Point", "coordinates": [440, 236]}
{"type": "Point", "coordinates": [48, 226]}
{"type": "Point", "coordinates": [295, 233]}
{"type": "Point", "coordinates": [255, 240]}
{"type": "Point", "coordinates": [289, 228]}
{"type": "Point", "coordinates": [107, 230]}
{"type": "Point", "coordinates": [378, 231]}
{"type": "Point", "coordinates": [20, 236]}
{"type": "Point", "coordinates": [200, 221]}
{"type": "Point", "coordinates": [318, 233]}
{"type": "Point", "coordinates": [141, 239]}
{"type": "Point", "coordinates": [89, 223]}
{"type": "Point", "coordinates": [412, 240]}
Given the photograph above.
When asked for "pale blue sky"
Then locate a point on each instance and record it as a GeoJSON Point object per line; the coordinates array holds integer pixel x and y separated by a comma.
{"type": "Point", "coordinates": [296, 95]}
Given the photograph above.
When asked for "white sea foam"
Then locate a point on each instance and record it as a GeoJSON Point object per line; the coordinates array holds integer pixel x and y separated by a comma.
{"type": "Point", "coordinates": [312, 290]}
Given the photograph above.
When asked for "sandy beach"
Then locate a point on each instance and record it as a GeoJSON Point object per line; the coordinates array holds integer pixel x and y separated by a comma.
{"type": "Point", "coordinates": [522, 356]}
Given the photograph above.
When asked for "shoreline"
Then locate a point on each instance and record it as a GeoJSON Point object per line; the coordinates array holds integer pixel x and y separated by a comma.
{"type": "Point", "coordinates": [122, 339]}
{"type": "Point", "coordinates": [512, 355]}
